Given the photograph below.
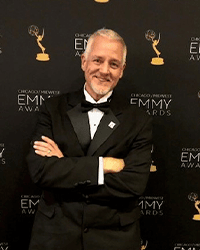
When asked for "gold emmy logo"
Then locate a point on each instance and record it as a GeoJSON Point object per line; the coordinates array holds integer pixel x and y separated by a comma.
{"type": "Point", "coordinates": [153, 167]}
{"type": "Point", "coordinates": [101, 1]}
{"type": "Point", "coordinates": [34, 31]}
{"type": "Point", "coordinates": [144, 245]}
{"type": "Point", "coordinates": [194, 197]}
{"type": "Point", "coordinates": [150, 36]}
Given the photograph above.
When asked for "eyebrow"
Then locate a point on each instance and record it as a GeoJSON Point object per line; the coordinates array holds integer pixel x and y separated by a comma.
{"type": "Point", "coordinates": [100, 57]}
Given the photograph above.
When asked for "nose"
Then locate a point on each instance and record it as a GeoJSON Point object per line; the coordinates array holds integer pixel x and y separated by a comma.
{"type": "Point", "coordinates": [104, 68]}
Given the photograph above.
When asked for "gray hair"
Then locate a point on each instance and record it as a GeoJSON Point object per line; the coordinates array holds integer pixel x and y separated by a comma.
{"type": "Point", "coordinates": [109, 34]}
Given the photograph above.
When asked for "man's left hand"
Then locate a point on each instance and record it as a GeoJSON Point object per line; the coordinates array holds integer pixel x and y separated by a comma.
{"type": "Point", "coordinates": [47, 147]}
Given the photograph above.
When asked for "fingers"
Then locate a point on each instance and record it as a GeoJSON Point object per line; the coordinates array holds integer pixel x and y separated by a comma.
{"type": "Point", "coordinates": [46, 144]}
{"type": "Point", "coordinates": [47, 147]}
{"type": "Point", "coordinates": [49, 141]}
{"type": "Point", "coordinates": [42, 149]}
{"type": "Point", "coordinates": [51, 145]}
{"type": "Point", "coordinates": [43, 145]}
{"type": "Point", "coordinates": [42, 153]}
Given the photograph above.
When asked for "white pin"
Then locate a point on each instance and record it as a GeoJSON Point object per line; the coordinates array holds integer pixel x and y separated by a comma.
{"type": "Point", "coordinates": [111, 124]}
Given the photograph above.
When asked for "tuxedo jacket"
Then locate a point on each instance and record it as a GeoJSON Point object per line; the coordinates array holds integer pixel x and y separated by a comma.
{"type": "Point", "coordinates": [75, 212]}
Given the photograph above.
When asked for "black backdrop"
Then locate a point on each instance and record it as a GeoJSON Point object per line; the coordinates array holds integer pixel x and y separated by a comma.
{"type": "Point", "coordinates": [170, 93]}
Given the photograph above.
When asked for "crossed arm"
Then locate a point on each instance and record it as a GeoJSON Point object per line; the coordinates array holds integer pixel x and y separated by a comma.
{"type": "Point", "coordinates": [49, 148]}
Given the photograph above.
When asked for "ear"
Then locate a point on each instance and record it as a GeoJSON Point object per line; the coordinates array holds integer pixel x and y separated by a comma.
{"type": "Point", "coordinates": [83, 62]}
{"type": "Point", "coordinates": [122, 70]}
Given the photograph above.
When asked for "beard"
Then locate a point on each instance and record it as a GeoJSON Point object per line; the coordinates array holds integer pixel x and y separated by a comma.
{"type": "Point", "coordinates": [101, 90]}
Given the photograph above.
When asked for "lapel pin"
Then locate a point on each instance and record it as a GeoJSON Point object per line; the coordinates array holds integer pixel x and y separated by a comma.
{"type": "Point", "coordinates": [111, 124]}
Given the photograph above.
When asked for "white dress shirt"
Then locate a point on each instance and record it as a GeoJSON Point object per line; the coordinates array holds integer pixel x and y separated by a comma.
{"type": "Point", "coordinates": [95, 115]}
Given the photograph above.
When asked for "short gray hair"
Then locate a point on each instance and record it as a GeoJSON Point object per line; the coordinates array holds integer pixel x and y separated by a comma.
{"type": "Point", "coordinates": [111, 34]}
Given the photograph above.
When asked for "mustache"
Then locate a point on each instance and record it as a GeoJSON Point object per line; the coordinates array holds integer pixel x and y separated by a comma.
{"type": "Point", "coordinates": [103, 78]}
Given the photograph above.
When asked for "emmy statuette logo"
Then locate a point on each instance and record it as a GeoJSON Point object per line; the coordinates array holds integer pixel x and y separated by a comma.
{"type": "Point", "coordinates": [1, 153]}
{"type": "Point", "coordinates": [150, 36]}
{"type": "Point", "coordinates": [194, 197]}
{"type": "Point", "coordinates": [144, 244]}
{"type": "Point", "coordinates": [101, 1]}
{"type": "Point", "coordinates": [4, 246]}
{"type": "Point", "coordinates": [34, 31]}
{"type": "Point", "coordinates": [153, 167]}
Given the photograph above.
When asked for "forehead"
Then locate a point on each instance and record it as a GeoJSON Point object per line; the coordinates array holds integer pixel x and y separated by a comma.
{"type": "Point", "coordinates": [105, 47]}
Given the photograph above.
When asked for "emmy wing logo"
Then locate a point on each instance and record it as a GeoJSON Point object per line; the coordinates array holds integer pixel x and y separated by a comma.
{"type": "Point", "coordinates": [194, 197]}
{"type": "Point", "coordinates": [4, 246]}
{"type": "Point", "coordinates": [34, 31]}
{"type": "Point", "coordinates": [153, 167]}
{"type": "Point", "coordinates": [101, 1]}
{"type": "Point", "coordinates": [150, 36]}
{"type": "Point", "coordinates": [144, 245]}
{"type": "Point", "coordinates": [1, 153]}
{"type": "Point", "coordinates": [2, 150]}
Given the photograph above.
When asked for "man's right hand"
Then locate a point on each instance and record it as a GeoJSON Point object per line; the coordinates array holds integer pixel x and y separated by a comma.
{"type": "Point", "coordinates": [112, 165]}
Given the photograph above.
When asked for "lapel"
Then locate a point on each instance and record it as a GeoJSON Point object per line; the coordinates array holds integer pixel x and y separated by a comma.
{"type": "Point", "coordinates": [107, 126]}
{"type": "Point", "coordinates": [80, 123]}
{"type": "Point", "coordinates": [79, 120]}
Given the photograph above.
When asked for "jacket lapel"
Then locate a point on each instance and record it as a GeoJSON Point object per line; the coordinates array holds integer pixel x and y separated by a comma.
{"type": "Point", "coordinates": [107, 126]}
{"type": "Point", "coordinates": [80, 124]}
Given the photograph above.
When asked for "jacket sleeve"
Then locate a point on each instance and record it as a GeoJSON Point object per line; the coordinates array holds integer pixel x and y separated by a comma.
{"type": "Point", "coordinates": [132, 180]}
{"type": "Point", "coordinates": [54, 172]}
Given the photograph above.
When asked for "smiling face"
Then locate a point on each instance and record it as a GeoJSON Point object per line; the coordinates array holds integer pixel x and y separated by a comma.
{"type": "Point", "coordinates": [103, 66]}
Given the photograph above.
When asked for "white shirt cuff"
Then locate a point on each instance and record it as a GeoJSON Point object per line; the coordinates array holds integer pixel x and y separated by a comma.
{"type": "Point", "coordinates": [101, 172]}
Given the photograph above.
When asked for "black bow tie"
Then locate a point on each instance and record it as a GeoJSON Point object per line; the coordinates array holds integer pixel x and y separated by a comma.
{"type": "Point", "coordinates": [87, 106]}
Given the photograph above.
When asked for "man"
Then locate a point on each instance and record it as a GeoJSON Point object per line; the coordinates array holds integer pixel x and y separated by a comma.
{"type": "Point", "coordinates": [91, 162]}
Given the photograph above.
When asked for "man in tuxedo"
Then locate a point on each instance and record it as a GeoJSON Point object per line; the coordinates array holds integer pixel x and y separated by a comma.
{"type": "Point", "coordinates": [91, 155]}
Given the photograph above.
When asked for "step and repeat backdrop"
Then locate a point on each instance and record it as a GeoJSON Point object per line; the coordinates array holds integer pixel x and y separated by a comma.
{"type": "Point", "coordinates": [40, 47]}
